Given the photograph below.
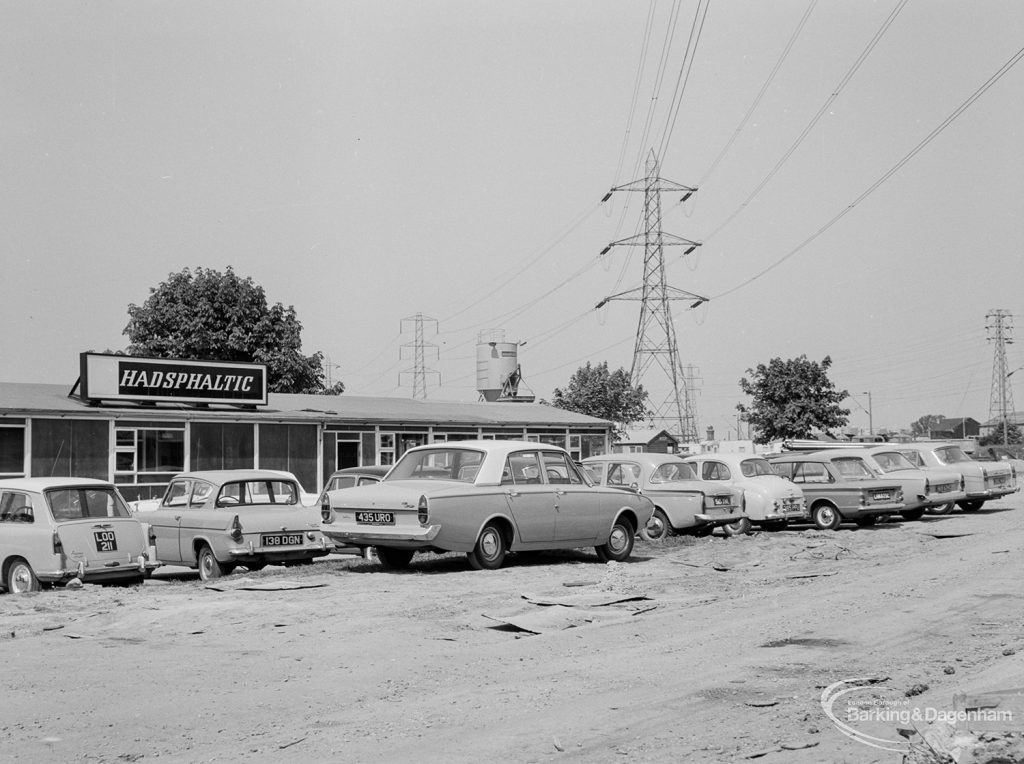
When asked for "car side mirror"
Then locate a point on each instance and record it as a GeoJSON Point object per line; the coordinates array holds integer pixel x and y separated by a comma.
{"type": "Point", "coordinates": [634, 487]}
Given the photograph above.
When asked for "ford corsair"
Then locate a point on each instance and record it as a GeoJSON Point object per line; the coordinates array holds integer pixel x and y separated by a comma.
{"type": "Point", "coordinates": [682, 501]}
{"type": "Point", "coordinates": [216, 520]}
{"type": "Point", "coordinates": [53, 530]}
{"type": "Point", "coordinates": [485, 498]}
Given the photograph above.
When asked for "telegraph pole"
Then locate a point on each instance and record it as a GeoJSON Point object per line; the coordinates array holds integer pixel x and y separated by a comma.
{"type": "Point", "coordinates": [419, 371]}
{"type": "Point", "coordinates": [656, 344]}
{"type": "Point", "coordinates": [999, 324]}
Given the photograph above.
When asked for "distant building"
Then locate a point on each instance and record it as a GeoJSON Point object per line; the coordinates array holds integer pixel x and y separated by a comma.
{"type": "Point", "coordinates": [648, 441]}
{"type": "Point", "coordinates": [955, 429]}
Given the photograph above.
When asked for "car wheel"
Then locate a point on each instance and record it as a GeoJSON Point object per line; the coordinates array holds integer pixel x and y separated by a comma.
{"type": "Point", "coordinates": [658, 528]}
{"type": "Point", "coordinates": [21, 579]}
{"type": "Point", "coordinates": [826, 517]}
{"type": "Point", "coordinates": [209, 568]}
{"type": "Point", "coordinates": [739, 528]}
{"type": "Point", "coordinates": [971, 506]}
{"type": "Point", "coordinates": [489, 552]}
{"type": "Point", "coordinates": [394, 559]}
{"type": "Point", "coordinates": [620, 543]}
{"type": "Point", "coordinates": [866, 521]}
{"type": "Point", "coordinates": [943, 509]}
{"type": "Point", "coordinates": [912, 514]}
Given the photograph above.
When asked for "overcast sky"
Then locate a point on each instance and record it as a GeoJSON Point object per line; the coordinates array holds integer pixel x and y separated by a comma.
{"type": "Point", "coordinates": [370, 161]}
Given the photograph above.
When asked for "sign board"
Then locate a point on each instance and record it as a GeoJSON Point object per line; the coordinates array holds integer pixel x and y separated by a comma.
{"type": "Point", "coordinates": [170, 380]}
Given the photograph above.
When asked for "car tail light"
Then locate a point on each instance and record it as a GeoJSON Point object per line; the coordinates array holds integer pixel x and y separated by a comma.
{"type": "Point", "coordinates": [58, 547]}
{"type": "Point", "coordinates": [236, 529]}
{"type": "Point", "coordinates": [423, 511]}
{"type": "Point", "coordinates": [325, 509]}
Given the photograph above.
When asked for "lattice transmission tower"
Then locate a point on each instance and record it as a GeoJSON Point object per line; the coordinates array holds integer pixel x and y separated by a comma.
{"type": "Point", "coordinates": [656, 348]}
{"type": "Point", "coordinates": [419, 370]}
{"type": "Point", "coordinates": [999, 324]}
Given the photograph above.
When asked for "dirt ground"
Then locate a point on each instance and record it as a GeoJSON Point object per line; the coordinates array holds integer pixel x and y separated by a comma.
{"type": "Point", "coordinates": [704, 650]}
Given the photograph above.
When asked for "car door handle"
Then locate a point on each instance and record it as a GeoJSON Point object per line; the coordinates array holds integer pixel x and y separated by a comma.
{"type": "Point", "coordinates": [177, 517]}
{"type": "Point", "coordinates": [559, 492]}
{"type": "Point", "coordinates": [512, 493]}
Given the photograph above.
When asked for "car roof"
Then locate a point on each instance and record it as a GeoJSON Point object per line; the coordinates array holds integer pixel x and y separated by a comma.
{"type": "Point", "coordinates": [226, 476]}
{"type": "Point", "coordinates": [496, 447]}
{"type": "Point", "coordinates": [644, 457]}
{"type": "Point", "coordinates": [44, 483]}
{"type": "Point", "coordinates": [377, 470]}
{"type": "Point", "coordinates": [732, 457]}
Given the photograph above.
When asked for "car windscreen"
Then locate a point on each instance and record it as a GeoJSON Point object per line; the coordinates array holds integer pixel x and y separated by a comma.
{"type": "Point", "coordinates": [893, 461]}
{"type": "Point", "coordinates": [755, 467]}
{"type": "Point", "coordinates": [673, 471]}
{"type": "Point", "coordinates": [438, 464]}
{"type": "Point", "coordinates": [80, 503]}
{"type": "Point", "coordinates": [853, 469]}
{"type": "Point", "coordinates": [257, 492]}
{"type": "Point", "coordinates": [951, 455]}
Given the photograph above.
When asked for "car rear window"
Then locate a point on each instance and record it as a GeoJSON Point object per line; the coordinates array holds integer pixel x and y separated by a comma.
{"type": "Point", "coordinates": [80, 503]}
{"type": "Point", "coordinates": [250, 492]}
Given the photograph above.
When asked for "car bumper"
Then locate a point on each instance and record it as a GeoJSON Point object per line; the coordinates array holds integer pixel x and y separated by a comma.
{"type": "Point", "coordinates": [253, 552]}
{"type": "Point", "coordinates": [874, 509]}
{"type": "Point", "coordinates": [403, 538]}
{"type": "Point", "coordinates": [704, 521]}
{"type": "Point", "coordinates": [97, 573]}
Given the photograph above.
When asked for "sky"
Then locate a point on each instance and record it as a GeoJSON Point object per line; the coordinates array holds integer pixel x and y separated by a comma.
{"type": "Point", "coordinates": [859, 164]}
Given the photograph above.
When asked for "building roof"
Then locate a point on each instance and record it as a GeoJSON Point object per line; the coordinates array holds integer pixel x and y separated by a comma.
{"type": "Point", "coordinates": [645, 436]}
{"type": "Point", "coordinates": [24, 399]}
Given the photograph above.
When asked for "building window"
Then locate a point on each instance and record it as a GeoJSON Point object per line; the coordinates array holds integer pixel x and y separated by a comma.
{"type": "Point", "coordinates": [386, 448]}
{"type": "Point", "coordinates": [12, 451]}
{"type": "Point", "coordinates": [144, 455]}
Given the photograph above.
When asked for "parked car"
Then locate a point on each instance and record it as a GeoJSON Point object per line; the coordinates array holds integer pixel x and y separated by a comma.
{"type": "Point", "coordinates": [216, 520]}
{"type": "Point", "coordinates": [350, 477]}
{"type": "Point", "coordinates": [839, 488]}
{"type": "Point", "coordinates": [982, 480]}
{"type": "Point", "coordinates": [769, 501]}
{"type": "Point", "coordinates": [922, 488]}
{"type": "Point", "coordinates": [682, 501]}
{"type": "Point", "coordinates": [1001, 454]}
{"type": "Point", "coordinates": [485, 498]}
{"type": "Point", "coordinates": [53, 530]}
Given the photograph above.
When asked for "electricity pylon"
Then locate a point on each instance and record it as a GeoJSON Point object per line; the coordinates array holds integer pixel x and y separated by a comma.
{"type": "Point", "coordinates": [655, 334]}
{"type": "Point", "coordinates": [419, 370]}
{"type": "Point", "coordinates": [1000, 327]}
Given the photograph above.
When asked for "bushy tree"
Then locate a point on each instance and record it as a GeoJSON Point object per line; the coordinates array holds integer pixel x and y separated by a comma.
{"type": "Point", "coordinates": [922, 426]}
{"type": "Point", "coordinates": [595, 391]}
{"type": "Point", "coordinates": [792, 399]}
{"type": "Point", "coordinates": [995, 437]}
{"type": "Point", "coordinates": [209, 315]}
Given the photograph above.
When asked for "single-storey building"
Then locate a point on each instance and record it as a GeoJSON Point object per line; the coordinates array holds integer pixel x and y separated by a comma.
{"type": "Point", "coordinates": [136, 422]}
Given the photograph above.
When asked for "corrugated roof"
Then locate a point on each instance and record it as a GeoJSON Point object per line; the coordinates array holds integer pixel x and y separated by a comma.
{"type": "Point", "coordinates": [23, 398]}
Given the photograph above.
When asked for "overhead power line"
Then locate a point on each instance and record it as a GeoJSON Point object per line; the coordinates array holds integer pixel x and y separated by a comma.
{"type": "Point", "coordinates": [1014, 60]}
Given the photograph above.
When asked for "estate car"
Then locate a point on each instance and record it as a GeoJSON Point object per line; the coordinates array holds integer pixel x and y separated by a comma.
{"type": "Point", "coordinates": [215, 520]}
{"type": "Point", "coordinates": [485, 498]}
{"type": "Point", "coordinates": [53, 530]}
{"type": "Point", "coordinates": [682, 501]}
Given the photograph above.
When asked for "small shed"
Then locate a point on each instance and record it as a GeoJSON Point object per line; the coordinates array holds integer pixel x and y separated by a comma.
{"type": "Point", "coordinates": [647, 441]}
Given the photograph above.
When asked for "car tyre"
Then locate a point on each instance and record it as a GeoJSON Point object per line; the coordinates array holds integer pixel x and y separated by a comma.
{"type": "Point", "coordinates": [209, 567]}
{"type": "Point", "coordinates": [658, 528]}
{"type": "Point", "coordinates": [394, 559]}
{"type": "Point", "coordinates": [21, 579]}
{"type": "Point", "coordinates": [912, 514]}
{"type": "Point", "coordinates": [739, 528]}
{"type": "Point", "coordinates": [972, 505]}
{"type": "Point", "coordinates": [620, 543]}
{"type": "Point", "coordinates": [943, 509]}
{"type": "Point", "coordinates": [826, 517]}
{"type": "Point", "coordinates": [490, 549]}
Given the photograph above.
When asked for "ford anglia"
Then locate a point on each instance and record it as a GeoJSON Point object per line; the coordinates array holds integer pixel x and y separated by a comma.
{"type": "Point", "coordinates": [53, 530]}
{"type": "Point", "coordinates": [682, 501]}
{"type": "Point", "coordinates": [216, 520]}
{"type": "Point", "coordinates": [485, 498]}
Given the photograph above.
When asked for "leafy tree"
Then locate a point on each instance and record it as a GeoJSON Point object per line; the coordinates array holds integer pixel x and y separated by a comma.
{"type": "Point", "coordinates": [925, 424]}
{"type": "Point", "coordinates": [792, 399]}
{"type": "Point", "coordinates": [595, 391]}
{"type": "Point", "coordinates": [994, 437]}
{"type": "Point", "coordinates": [215, 316]}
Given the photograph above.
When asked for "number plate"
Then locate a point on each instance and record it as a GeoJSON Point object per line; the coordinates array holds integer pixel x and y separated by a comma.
{"type": "Point", "coordinates": [281, 539]}
{"type": "Point", "coordinates": [375, 518]}
{"type": "Point", "coordinates": [106, 541]}
{"type": "Point", "coordinates": [721, 501]}
{"type": "Point", "coordinates": [883, 496]}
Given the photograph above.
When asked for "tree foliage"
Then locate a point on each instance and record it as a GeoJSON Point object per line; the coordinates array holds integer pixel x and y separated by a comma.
{"type": "Point", "coordinates": [205, 314]}
{"type": "Point", "coordinates": [995, 437]}
{"type": "Point", "coordinates": [922, 426]}
{"type": "Point", "coordinates": [792, 399]}
{"type": "Point", "coordinates": [595, 391]}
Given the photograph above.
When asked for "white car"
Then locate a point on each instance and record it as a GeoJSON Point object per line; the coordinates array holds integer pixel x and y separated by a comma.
{"type": "Point", "coordinates": [769, 501]}
{"type": "Point", "coordinates": [923, 489]}
{"type": "Point", "coordinates": [982, 480]}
